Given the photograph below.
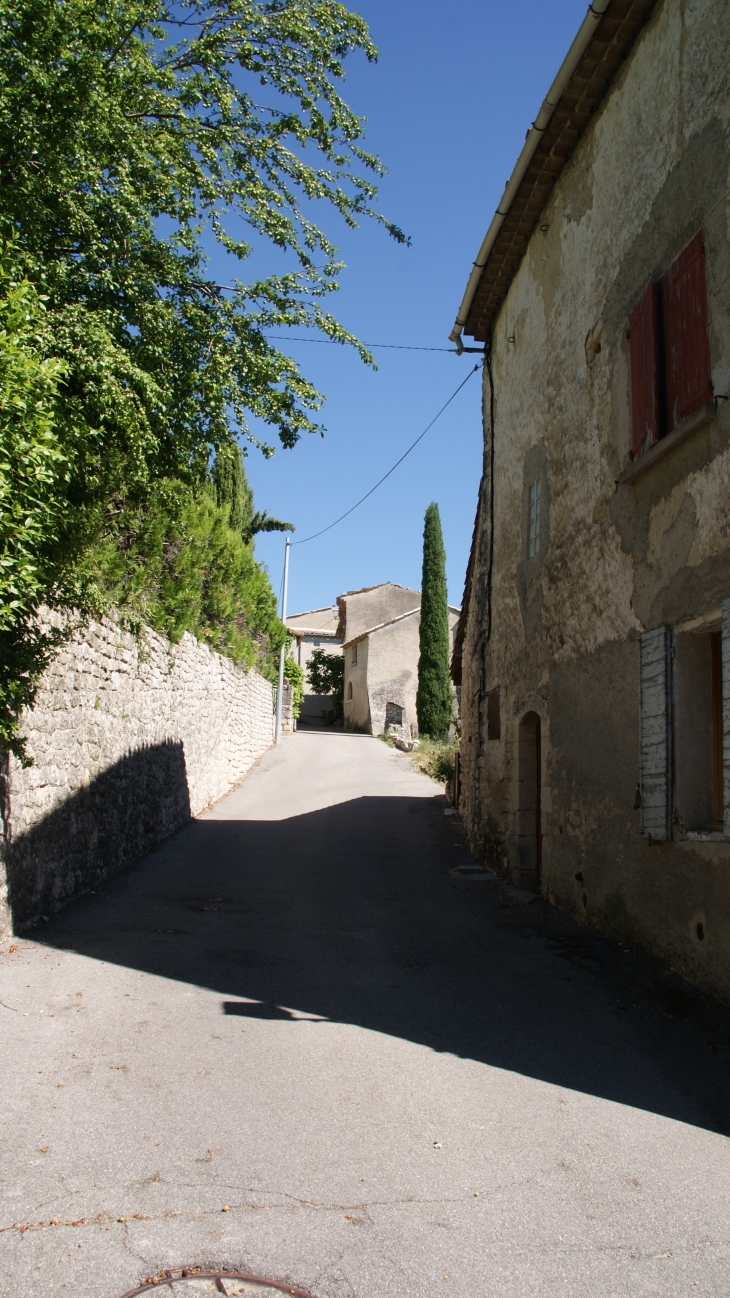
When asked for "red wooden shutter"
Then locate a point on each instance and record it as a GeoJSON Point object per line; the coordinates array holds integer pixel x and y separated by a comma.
{"type": "Point", "coordinates": [686, 339]}
{"type": "Point", "coordinates": [644, 349]}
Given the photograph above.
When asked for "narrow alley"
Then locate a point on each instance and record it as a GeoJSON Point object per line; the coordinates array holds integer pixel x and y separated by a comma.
{"type": "Point", "coordinates": [294, 1041]}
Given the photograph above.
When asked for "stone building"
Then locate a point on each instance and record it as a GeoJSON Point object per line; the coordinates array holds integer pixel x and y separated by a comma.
{"type": "Point", "coordinates": [380, 628]}
{"type": "Point", "coordinates": [314, 629]}
{"type": "Point", "coordinates": [594, 646]}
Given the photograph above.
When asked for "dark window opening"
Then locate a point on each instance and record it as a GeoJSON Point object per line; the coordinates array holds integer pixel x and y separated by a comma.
{"type": "Point", "coordinates": [393, 715]}
{"type": "Point", "coordinates": [697, 715]}
{"type": "Point", "coordinates": [670, 349]}
{"type": "Point", "coordinates": [529, 802]}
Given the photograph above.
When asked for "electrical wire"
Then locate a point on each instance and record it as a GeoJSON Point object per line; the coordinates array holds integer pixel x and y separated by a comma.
{"type": "Point", "coordinates": [335, 342]}
{"type": "Point", "coordinates": [394, 467]}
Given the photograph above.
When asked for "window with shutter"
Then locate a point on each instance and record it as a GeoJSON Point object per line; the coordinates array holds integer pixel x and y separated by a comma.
{"type": "Point", "coordinates": [655, 675]}
{"type": "Point", "coordinates": [644, 340]}
{"type": "Point", "coordinates": [697, 798]}
{"type": "Point", "coordinates": [686, 338]}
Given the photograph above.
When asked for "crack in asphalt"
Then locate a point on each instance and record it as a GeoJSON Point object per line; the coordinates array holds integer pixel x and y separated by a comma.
{"type": "Point", "coordinates": [103, 1218]}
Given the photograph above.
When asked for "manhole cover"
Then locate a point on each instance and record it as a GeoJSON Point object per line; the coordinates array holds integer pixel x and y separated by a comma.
{"type": "Point", "coordinates": [193, 1282]}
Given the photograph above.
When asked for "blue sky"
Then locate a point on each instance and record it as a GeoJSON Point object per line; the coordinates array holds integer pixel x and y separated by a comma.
{"type": "Point", "coordinates": [448, 105]}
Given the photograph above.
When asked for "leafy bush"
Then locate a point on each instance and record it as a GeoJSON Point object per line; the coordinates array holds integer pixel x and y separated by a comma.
{"type": "Point", "coordinates": [36, 462]}
{"type": "Point", "coordinates": [326, 676]}
{"type": "Point", "coordinates": [294, 676]}
{"type": "Point", "coordinates": [178, 566]}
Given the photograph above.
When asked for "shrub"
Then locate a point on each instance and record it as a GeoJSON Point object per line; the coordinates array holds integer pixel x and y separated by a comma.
{"type": "Point", "coordinates": [437, 760]}
{"type": "Point", "coordinates": [294, 676]}
{"type": "Point", "coordinates": [326, 676]}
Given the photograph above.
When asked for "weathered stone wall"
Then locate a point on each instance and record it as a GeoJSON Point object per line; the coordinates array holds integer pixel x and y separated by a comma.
{"type": "Point", "coordinates": [129, 739]}
{"type": "Point", "coordinates": [556, 635]}
{"type": "Point", "coordinates": [387, 670]}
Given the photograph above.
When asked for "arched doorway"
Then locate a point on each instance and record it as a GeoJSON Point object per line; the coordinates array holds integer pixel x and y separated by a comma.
{"type": "Point", "coordinates": [527, 853]}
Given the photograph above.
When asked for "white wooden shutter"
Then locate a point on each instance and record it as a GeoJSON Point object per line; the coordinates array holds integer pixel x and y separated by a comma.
{"type": "Point", "coordinates": [726, 714]}
{"type": "Point", "coordinates": [656, 751]}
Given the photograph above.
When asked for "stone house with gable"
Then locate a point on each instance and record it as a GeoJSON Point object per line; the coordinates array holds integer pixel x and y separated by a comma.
{"type": "Point", "coordinates": [379, 627]}
{"type": "Point", "coordinates": [594, 645]}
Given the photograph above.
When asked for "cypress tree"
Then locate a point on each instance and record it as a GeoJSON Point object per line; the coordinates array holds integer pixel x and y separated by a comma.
{"type": "Point", "coordinates": [433, 700]}
{"type": "Point", "coordinates": [234, 492]}
{"type": "Point", "coordinates": [232, 488]}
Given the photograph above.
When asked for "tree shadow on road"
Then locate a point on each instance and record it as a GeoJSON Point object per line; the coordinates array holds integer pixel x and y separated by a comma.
{"type": "Point", "coordinates": [351, 914]}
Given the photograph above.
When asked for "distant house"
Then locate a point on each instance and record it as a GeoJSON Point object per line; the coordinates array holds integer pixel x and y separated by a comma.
{"type": "Point", "coordinates": [379, 627]}
{"type": "Point", "coordinates": [315, 629]}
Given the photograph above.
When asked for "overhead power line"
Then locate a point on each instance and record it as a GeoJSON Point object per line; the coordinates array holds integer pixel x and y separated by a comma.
{"type": "Point", "coordinates": [391, 470]}
{"type": "Point", "coordinates": [335, 342]}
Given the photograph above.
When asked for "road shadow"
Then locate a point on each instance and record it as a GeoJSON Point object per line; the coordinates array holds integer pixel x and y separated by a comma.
{"type": "Point", "coordinates": [351, 914]}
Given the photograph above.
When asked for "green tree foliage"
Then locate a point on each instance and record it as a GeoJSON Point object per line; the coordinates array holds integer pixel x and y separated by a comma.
{"type": "Point", "coordinates": [35, 467]}
{"type": "Point", "coordinates": [177, 565]}
{"type": "Point", "coordinates": [234, 491]}
{"type": "Point", "coordinates": [232, 488]}
{"type": "Point", "coordinates": [434, 695]}
{"type": "Point", "coordinates": [326, 677]}
{"type": "Point", "coordinates": [294, 676]}
{"type": "Point", "coordinates": [129, 133]}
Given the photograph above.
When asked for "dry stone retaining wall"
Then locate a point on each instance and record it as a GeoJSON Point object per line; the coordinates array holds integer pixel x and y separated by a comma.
{"type": "Point", "coordinates": [129, 739]}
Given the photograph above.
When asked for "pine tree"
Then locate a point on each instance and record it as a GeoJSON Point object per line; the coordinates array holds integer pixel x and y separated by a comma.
{"type": "Point", "coordinates": [434, 697]}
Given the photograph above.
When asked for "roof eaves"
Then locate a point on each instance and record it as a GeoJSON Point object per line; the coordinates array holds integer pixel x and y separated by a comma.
{"type": "Point", "coordinates": [326, 608]}
{"type": "Point", "coordinates": [312, 630]}
{"type": "Point", "coordinates": [379, 626]}
{"type": "Point", "coordinates": [615, 37]}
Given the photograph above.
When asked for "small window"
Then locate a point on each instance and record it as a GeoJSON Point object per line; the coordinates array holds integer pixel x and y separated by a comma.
{"type": "Point", "coordinates": [533, 518]}
{"type": "Point", "coordinates": [316, 643]}
{"type": "Point", "coordinates": [349, 689]}
{"type": "Point", "coordinates": [354, 654]}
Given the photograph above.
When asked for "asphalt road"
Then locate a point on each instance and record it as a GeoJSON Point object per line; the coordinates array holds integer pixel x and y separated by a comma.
{"type": "Point", "coordinates": [293, 1042]}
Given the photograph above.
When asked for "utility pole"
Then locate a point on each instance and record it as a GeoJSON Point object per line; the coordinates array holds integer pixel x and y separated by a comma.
{"type": "Point", "coordinates": [282, 655]}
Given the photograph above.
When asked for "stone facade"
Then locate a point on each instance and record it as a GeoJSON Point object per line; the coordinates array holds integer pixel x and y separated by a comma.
{"type": "Point", "coordinates": [591, 699]}
{"type": "Point", "coordinates": [129, 739]}
{"type": "Point", "coordinates": [381, 674]}
{"type": "Point", "coordinates": [372, 606]}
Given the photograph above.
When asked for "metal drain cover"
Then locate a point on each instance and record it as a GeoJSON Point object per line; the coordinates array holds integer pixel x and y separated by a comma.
{"type": "Point", "coordinates": [194, 1282]}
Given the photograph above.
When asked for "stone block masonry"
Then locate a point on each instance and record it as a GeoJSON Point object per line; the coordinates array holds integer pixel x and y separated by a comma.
{"type": "Point", "coordinates": [129, 739]}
